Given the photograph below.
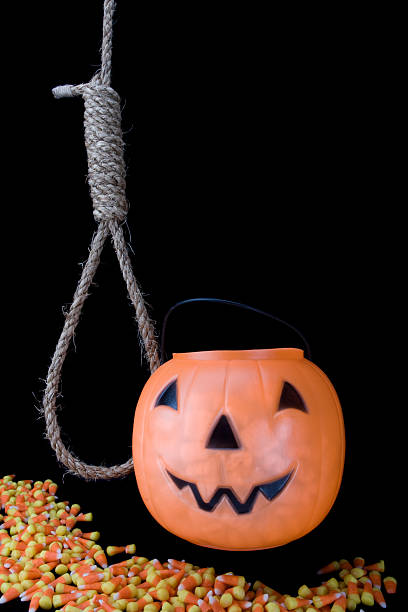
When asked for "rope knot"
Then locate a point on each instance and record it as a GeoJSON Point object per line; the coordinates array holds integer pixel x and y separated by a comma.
{"type": "Point", "coordinates": [104, 145]}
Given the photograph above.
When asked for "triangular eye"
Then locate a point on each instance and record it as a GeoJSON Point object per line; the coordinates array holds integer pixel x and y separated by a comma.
{"type": "Point", "coordinates": [168, 397]}
{"type": "Point", "coordinates": [222, 435]}
{"type": "Point", "coordinates": [290, 398]}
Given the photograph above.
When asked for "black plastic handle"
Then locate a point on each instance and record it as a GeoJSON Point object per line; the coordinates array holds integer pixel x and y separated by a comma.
{"type": "Point", "coordinates": [229, 303]}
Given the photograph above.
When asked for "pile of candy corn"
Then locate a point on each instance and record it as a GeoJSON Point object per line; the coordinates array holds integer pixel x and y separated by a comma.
{"type": "Point", "coordinates": [49, 562]}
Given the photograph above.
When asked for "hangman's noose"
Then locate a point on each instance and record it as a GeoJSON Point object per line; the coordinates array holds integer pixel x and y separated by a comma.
{"type": "Point", "coordinates": [106, 177]}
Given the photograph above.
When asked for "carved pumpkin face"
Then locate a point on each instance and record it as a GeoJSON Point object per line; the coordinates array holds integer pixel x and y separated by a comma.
{"type": "Point", "coordinates": [239, 450]}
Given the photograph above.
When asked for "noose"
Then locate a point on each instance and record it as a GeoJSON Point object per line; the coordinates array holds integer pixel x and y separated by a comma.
{"type": "Point", "coordinates": [106, 177]}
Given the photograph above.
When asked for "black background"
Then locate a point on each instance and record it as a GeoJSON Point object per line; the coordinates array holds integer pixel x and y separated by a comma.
{"type": "Point", "coordinates": [262, 155]}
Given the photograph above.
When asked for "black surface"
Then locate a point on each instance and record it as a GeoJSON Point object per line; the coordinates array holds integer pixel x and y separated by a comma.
{"type": "Point", "coordinates": [222, 435]}
{"type": "Point", "coordinates": [290, 398]}
{"type": "Point", "coordinates": [168, 397]}
{"type": "Point", "coordinates": [263, 166]}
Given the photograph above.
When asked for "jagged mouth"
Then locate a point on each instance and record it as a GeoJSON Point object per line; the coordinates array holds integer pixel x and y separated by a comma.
{"type": "Point", "coordinates": [269, 490]}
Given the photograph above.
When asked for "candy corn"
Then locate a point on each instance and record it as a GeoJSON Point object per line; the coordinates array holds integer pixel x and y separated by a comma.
{"type": "Point", "coordinates": [11, 593]}
{"type": "Point", "coordinates": [323, 600]}
{"type": "Point", "coordinates": [232, 580]}
{"type": "Point", "coordinates": [353, 592]}
{"type": "Point", "coordinates": [358, 562]}
{"type": "Point", "coordinates": [305, 592]}
{"type": "Point", "coordinates": [46, 599]}
{"type": "Point", "coordinates": [379, 566]}
{"type": "Point", "coordinates": [367, 596]}
{"type": "Point", "coordinates": [344, 564]}
{"type": "Point", "coordinates": [296, 602]}
{"type": "Point", "coordinates": [331, 567]}
{"type": "Point", "coordinates": [390, 584]}
{"type": "Point", "coordinates": [46, 560]}
{"type": "Point", "coordinates": [379, 597]}
{"type": "Point", "coordinates": [339, 605]}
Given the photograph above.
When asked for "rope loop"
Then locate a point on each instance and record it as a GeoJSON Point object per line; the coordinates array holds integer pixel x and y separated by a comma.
{"type": "Point", "coordinates": [106, 178]}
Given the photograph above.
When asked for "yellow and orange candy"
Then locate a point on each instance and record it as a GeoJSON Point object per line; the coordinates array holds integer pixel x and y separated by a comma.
{"type": "Point", "coordinates": [46, 560]}
{"type": "Point", "coordinates": [390, 584]}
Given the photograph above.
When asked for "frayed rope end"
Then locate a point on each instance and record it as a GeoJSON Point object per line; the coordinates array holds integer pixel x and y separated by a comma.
{"type": "Point", "coordinates": [63, 91]}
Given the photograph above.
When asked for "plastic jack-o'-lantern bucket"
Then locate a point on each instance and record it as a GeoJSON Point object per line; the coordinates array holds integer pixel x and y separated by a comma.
{"type": "Point", "coordinates": [240, 449]}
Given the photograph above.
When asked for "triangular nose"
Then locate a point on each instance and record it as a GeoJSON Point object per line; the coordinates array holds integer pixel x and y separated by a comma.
{"type": "Point", "coordinates": [222, 435]}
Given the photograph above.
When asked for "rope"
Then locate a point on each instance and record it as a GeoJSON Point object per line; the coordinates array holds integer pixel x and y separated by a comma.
{"type": "Point", "coordinates": [106, 178]}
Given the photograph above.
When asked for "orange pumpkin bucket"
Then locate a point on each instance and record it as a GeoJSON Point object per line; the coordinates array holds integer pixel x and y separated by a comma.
{"type": "Point", "coordinates": [241, 449]}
